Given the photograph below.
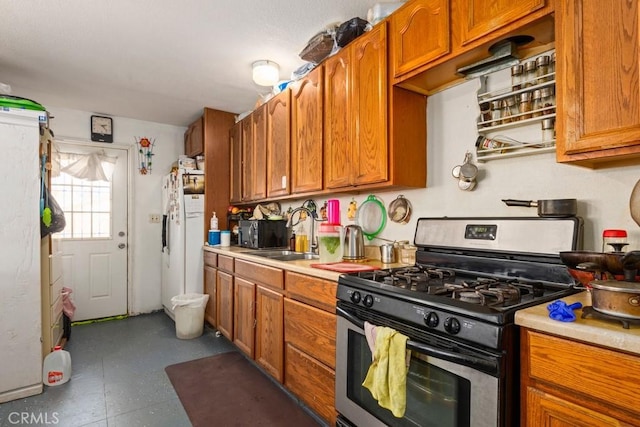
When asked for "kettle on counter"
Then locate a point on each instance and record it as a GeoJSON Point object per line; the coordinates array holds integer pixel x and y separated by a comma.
{"type": "Point", "coordinates": [353, 243]}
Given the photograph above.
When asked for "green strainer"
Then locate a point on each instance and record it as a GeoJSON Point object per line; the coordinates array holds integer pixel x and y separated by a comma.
{"type": "Point", "coordinates": [371, 217]}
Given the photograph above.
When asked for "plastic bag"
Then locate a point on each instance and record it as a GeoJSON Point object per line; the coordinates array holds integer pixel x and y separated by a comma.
{"type": "Point", "coordinates": [320, 46]}
{"type": "Point", "coordinates": [349, 30]}
{"type": "Point", "coordinates": [52, 217]}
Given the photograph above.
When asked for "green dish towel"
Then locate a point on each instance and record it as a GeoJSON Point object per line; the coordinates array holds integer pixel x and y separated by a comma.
{"type": "Point", "coordinates": [387, 375]}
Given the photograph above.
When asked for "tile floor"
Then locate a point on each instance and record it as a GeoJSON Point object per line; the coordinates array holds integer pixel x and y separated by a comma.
{"type": "Point", "coordinates": [118, 376]}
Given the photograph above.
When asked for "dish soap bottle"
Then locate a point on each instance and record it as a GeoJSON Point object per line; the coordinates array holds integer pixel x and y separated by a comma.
{"type": "Point", "coordinates": [214, 222]}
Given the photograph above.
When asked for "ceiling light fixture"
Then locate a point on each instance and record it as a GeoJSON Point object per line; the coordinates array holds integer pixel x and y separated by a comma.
{"type": "Point", "coordinates": [266, 73]}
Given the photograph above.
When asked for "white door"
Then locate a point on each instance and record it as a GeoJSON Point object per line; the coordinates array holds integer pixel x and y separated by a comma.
{"type": "Point", "coordinates": [94, 242]}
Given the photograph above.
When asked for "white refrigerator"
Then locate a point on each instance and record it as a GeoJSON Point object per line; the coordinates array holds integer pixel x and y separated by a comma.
{"type": "Point", "coordinates": [182, 235]}
{"type": "Point", "coordinates": [20, 321]}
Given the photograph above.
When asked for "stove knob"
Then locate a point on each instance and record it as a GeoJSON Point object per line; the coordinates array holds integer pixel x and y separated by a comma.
{"type": "Point", "coordinates": [368, 301]}
{"type": "Point", "coordinates": [452, 325]}
{"type": "Point", "coordinates": [431, 319]}
{"type": "Point", "coordinates": [356, 297]}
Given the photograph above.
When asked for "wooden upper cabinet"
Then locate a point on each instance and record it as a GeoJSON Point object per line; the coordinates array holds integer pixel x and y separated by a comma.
{"type": "Point", "coordinates": [338, 115]}
{"type": "Point", "coordinates": [259, 155]}
{"type": "Point", "coordinates": [479, 18]}
{"type": "Point", "coordinates": [306, 132]}
{"type": "Point", "coordinates": [370, 156]}
{"type": "Point", "coordinates": [278, 145]}
{"type": "Point", "coordinates": [247, 158]}
{"type": "Point", "coordinates": [420, 33]}
{"type": "Point", "coordinates": [598, 76]}
{"type": "Point", "coordinates": [194, 138]}
{"type": "Point", "coordinates": [235, 140]}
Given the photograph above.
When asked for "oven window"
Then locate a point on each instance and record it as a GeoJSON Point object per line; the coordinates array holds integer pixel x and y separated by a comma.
{"type": "Point", "coordinates": [435, 397]}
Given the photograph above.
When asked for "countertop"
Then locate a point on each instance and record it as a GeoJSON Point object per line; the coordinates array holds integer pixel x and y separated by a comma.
{"type": "Point", "coordinates": [602, 333]}
{"type": "Point", "coordinates": [298, 266]}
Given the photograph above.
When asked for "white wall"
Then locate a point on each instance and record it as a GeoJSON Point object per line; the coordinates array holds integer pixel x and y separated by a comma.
{"type": "Point", "coordinates": [603, 195]}
{"type": "Point", "coordinates": [145, 242]}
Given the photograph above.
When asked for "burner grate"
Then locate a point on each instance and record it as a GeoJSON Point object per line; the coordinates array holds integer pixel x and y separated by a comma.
{"type": "Point", "coordinates": [589, 311]}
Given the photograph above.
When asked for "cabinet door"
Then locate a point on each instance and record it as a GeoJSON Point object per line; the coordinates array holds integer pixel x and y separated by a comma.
{"type": "Point", "coordinates": [544, 409]}
{"type": "Point", "coordinates": [598, 75]}
{"type": "Point", "coordinates": [210, 280]}
{"type": "Point", "coordinates": [247, 158]}
{"type": "Point", "coordinates": [371, 156]}
{"type": "Point", "coordinates": [338, 147]}
{"type": "Point", "coordinates": [278, 145]}
{"type": "Point", "coordinates": [269, 332]}
{"type": "Point", "coordinates": [306, 132]}
{"type": "Point", "coordinates": [194, 139]}
{"type": "Point", "coordinates": [244, 316]}
{"type": "Point", "coordinates": [224, 310]}
{"type": "Point", "coordinates": [235, 140]}
{"type": "Point", "coordinates": [419, 33]}
{"type": "Point", "coordinates": [479, 18]}
{"type": "Point", "coordinates": [259, 155]}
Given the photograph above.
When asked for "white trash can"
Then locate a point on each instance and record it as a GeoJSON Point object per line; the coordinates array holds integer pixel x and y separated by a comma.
{"type": "Point", "coordinates": [188, 310]}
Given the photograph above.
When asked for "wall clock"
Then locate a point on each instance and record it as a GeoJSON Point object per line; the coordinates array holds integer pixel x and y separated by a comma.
{"type": "Point", "coordinates": [101, 129]}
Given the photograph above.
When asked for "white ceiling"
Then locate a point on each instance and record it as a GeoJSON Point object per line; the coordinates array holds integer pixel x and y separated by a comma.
{"type": "Point", "coordinates": [156, 60]}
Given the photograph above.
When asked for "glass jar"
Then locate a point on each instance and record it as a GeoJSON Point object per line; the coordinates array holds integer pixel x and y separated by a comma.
{"type": "Point", "coordinates": [548, 132]}
{"type": "Point", "coordinates": [516, 77]}
{"type": "Point", "coordinates": [496, 112]}
{"type": "Point", "coordinates": [525, 105]}
{"type": "Point", "coordinates": [614, 240]}
{"type": "Point", "coordinates": [552, 64]}
{"type": "Point", "coordinates": [542, 69]}
{"type": "Point", "coordinates": [529, 78]}
{"type": "Point", "coordinates": [330, 242]}
{"type": "Point", "coordinates": [485, 113]}
{"type": "Point", "coordinates": [536, 103]}
{"type": "Point", "coordinates": [508, 110]}
{"type": "Point", "coordinates": [548, 99]}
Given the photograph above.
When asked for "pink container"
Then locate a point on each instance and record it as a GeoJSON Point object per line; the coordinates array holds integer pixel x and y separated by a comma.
{"type": "Point", "coordinates": [333, 211]}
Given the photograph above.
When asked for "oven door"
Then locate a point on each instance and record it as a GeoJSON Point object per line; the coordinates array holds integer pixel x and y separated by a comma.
{"type": "Point", "coordinates": [444, 388]}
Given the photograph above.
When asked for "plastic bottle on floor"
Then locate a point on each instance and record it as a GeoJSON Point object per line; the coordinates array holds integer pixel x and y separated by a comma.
{"type": "Point", "coordinates": [56, 369]}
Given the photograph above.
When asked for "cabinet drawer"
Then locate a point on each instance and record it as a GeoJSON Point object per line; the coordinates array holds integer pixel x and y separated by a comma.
{"type": "Point", "coordinates": [210, 259]}
{"type": "Point", "coordinates": [55, 266]}
{"type": "Point", "coordinates": [313, 382]}
{"type": "Point", "coordinates": [56, 309]}
{"type": "Point", "coordinates": [319, 293]}
{"type": "Point", "coordinates": [56, 289]}
{"type": "Point", "coordinates": [260, 273]}
{"type": "Point", "coordinates": [225, 263]}
{"type": "Point", "coordinates": [592, 371]}
{"type": "Point", "coordinates": [311, 330]}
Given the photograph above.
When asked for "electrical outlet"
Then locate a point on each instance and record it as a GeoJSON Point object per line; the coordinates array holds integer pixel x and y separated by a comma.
{"type": "Point", "coordinates": [154, 218]}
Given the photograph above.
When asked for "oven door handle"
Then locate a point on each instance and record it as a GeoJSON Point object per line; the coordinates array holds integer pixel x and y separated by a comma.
{"type": "Point", "coordinates": [487, 365]}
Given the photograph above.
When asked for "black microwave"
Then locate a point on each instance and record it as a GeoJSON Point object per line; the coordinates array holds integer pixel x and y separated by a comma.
{"type": "Point", "coordinates": [263, 233]}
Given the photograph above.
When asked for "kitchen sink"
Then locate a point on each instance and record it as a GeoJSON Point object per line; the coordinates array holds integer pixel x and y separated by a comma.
{"type": "Point", "coordinates": [284, 255]}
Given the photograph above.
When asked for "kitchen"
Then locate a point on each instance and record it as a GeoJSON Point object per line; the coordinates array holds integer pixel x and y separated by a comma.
{"type": "Point", "coordinates": [603, 194]}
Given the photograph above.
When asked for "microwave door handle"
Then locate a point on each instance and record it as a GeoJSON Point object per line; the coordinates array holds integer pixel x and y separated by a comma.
{"type": "Point", "coordinates": [481, 364]}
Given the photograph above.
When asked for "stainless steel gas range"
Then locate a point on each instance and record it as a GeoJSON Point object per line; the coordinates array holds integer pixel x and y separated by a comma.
{"type": "Point", "coordinates": [456, 305]}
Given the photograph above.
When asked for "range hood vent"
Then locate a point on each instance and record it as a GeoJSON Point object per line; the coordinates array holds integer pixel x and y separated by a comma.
{"type": "Point", "coordinates": [504, 54]}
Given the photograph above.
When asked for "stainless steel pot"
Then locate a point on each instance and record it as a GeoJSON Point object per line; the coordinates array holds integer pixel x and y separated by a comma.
{"type": "Point", "coordinates": [353, 243]}
{"type": "Point", "coordinates": [616, 298]}
{"type": "Point", "coordinates": [553, 208]}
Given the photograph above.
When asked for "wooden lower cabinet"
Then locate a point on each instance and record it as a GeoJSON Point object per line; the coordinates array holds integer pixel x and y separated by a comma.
{"type": "Point", "coordinates": [244, 315]}
{"type": "Point", "coordinates": [224, 312]}
{"type": "Point", "coordinates": [312, 381]}
{"type": "Point", "coordinates": [570, 383]}
{"type": "Point", "coordinates": [269, 352]}
{"type": "Point", "coordinates": [210, 281]}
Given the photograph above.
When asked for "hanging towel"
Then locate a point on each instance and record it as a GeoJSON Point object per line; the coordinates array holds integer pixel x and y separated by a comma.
{"type": "Point", "coordinates": [370, 334]}
{"type": "Point", "coordinates": [387, 375]}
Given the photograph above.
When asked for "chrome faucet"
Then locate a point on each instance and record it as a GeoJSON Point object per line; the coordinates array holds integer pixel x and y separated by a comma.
{"type": "Point", "coordinates": [313, 245]}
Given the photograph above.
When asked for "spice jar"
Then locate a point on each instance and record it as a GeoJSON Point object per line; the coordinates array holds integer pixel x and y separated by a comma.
{"type": "Point", "coordinates": [516, 77]}
{"type": "Point", "coordinates": [552, 64]}
{"type": "Point", "coordinates": [548, 131]}
{"type": "Point", "coordinates": [496, 112]}
{"type": "Point", "coordinates": [529, 78]}
{"type": "Point", "coordinates": [536, 103]}
{"type": "Point", "coordinates": [542, 69]}
{"type": "Point", "coordinates": [485, 114]}
{"type": "Point", "coordinates": [614, 240]}
{"type": "Point", "coordinates": [548, 99]}
{"type": "Point", "coordinates": [508, 110]}
{"type": "Point", "coordinates": [525, 105]}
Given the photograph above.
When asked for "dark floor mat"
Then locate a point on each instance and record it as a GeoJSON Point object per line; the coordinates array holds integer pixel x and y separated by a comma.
{"type": "Point", "coordinates": [227, 390]}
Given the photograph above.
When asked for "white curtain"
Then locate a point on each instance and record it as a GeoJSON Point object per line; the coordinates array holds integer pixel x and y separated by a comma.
{"type": "Point", "coordinates": [96, 166]}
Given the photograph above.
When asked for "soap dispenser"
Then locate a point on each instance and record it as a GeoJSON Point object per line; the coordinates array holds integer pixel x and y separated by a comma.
{"type": "Point", "coordinates": [214, 222]}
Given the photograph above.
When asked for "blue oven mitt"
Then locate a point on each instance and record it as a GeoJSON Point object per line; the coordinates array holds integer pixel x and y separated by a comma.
{"type": "Point", "coordinates": [559, 310]}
